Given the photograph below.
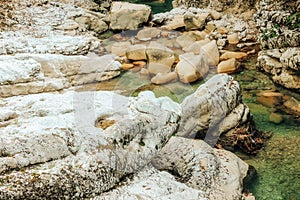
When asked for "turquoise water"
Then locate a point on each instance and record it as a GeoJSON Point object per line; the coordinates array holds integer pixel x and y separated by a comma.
{"type": "Point", "coordinates": [157, 6]}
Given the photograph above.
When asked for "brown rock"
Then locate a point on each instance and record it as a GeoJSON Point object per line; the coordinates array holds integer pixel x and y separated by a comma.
{"type": "Point", "coordinates": [155, 68]}
{"type": "Point", "coordinates": [270, 99]}
{"type": "Point", "coordinates": [228, 66]}
{"type": "Point", "coordinates": [185, 40]}
{"type": "Point", "coordinates": [164, 78]}
{"type": "Point", "coordinates": [196, 46]}
{"type": "Point", "coordinates": [215, 15]}
{"type": "Point", "coordinates": [222, 30]}
{"type": "Point", "coordinates": [136, 52]}
{"type": "Point", "coordinates": [233, 38]}
{"type": "Point", "coordinates": [158, 53]}
{"type": "Point", "coordinates": [211, 52]}
{"type": "Point", "coordinates": [148, 33]}
{"type": "Point", "coordinates": [191, 67]}
{"type": "Point", "coordinates": [127, 66]}
{"type": "Point", "coordinates": [275, 118]}
{"type": "Point", "coordinates": [119, 48]}
{"type": "Point", "coordinates": [230, 54]}
{"type": "Point", "coordinates": [140, 63]}
{"type": "Point", "coordinates": [292, 106]}
{"type": "Point", "coordinates": [177, 22]}
{"type": "Point", "coordinates": [195, 22]}
{"type": "Point", "coordinates": [210, 27]}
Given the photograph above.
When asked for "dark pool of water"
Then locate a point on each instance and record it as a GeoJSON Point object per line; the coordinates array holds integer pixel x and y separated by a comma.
{"type": "Point", "coordinates": [156, 6]}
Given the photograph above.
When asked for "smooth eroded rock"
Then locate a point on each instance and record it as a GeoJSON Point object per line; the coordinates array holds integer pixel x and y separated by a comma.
{"type": "Point", "coordinates": [201, 167]}
{"type": "Point", "coordinates": [191, 67]}
{"type": "Point", "coordinates": [128, 16]}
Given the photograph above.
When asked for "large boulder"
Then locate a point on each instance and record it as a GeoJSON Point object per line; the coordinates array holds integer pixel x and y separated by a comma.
{"type": "Point", "coordinates": [188, 169]}
{"type": "Point", "coordinates": [216, 113]}
{"type": "Point", "coordinates": [78, 144]}
{"type": "Point", "coordinates": [218, 173]}
{"type": "Point", "coordinates": [128, 16]}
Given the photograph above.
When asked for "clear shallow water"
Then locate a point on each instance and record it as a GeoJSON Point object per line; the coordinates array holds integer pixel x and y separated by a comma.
{"type": "Point", "coordinates": [278, 163]}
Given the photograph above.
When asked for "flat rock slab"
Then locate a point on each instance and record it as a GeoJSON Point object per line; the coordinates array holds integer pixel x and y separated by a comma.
{"type": "Point", "coordinates": [36, 73]}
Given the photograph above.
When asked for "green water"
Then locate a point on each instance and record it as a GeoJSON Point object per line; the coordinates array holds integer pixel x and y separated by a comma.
{"type": "Point", "coordinates": [156, 6]}
{"type": "Point", "coordinates": [278, 163]}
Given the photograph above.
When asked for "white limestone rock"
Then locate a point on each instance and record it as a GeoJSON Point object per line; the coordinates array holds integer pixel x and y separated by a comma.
{"type": "Point", "coordinates": [218, 173]}
{"type": "Point", "coordinates": [54, 135]}
{"type": "Point", "coordinates": [36, 73]}
{"type": "Point", "coordinates": [150, 183]}
{"type": "Point", "coordinates": [208, 106]}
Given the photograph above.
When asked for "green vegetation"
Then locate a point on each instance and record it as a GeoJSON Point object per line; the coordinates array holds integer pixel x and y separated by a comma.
{"type": "Point", "coordinates": [269, 33]}
{"type": "Point", "coordinates": [293, 21]}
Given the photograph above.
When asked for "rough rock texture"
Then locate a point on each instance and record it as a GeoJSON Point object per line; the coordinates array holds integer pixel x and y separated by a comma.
{"type": "Point", "coordinates": [283, 65]}
{"type": "Point", "coordinates": [150, 183]}
{"type": "Point", "coordinates": [232, 5]}
{"type": "Point", "coordinates": [158, 53]}
{"type": "Point", "coordinates": [127, 16]}
{"type": "Point", "coordinates": [280, 38]}
{"type": "Point", "coordinates": [215, 109]}
{"type": "Point", "coordinates": [218, 173]}
{"type": "Point", "coordinates": [35, 73]}
{"type": "Point", "coordinates": [279, 23]}
{"type": "Point", "coordinates": [202, 20]}
{"type": "Point", "coordinates": [50, 27]}
{"type": "Point", "coordinates": [58, 143]}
